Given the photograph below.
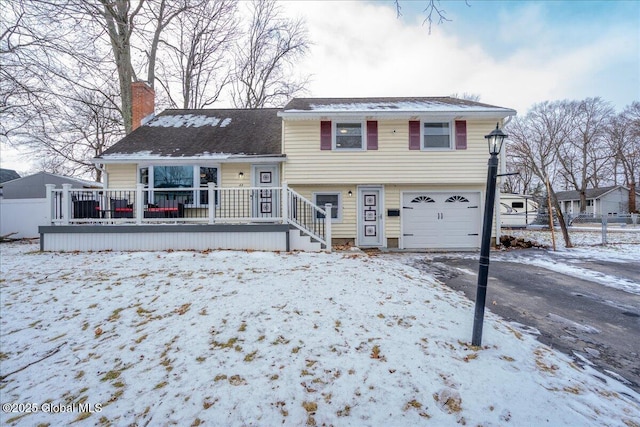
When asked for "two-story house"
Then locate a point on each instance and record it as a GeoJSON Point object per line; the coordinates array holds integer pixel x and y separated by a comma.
{"type": "Point", "coordinates": [405, 173]}
{"type": "Point", "coordinates": [400, 172]}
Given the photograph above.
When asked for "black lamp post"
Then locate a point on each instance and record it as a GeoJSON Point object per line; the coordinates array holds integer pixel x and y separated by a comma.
{"type": "Point", "coordinates": [495, 140]}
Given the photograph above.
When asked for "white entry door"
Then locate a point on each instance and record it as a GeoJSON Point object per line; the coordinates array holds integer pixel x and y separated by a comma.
{"type": "Point", "coordinates": [370, 216]}
{"type": "Point", "coordinates": [267, 199]}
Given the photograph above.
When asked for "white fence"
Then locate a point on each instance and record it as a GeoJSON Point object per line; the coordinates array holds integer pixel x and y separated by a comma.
{"type": "Point", "coordinates": [22, 217]}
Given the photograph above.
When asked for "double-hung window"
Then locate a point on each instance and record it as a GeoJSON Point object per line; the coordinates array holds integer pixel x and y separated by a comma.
{"type": "Point", "coordinates": [349, 136]}
{"type": "Point", "coordinates": [436, 135]}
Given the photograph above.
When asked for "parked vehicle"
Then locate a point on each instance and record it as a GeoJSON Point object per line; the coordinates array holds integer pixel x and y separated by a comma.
{"type": "Point", "coordinates": [517, 210]}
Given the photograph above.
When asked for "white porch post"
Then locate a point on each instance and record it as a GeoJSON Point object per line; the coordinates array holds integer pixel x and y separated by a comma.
{"type": "Point", "coordinates": [66, 203]}
{"type": "Point", "coordinates": [285, 202]}
{"type": "Point", "coordinates": [139, 203]}
{"type": "Point", "coordinates": [211, 188]}
{"type": "Point", "coordinates": [50, 212]}
{"type": "Point", "coordinates": [327, 225]}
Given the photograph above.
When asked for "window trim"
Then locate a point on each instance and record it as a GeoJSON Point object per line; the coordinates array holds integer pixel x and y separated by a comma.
{"type": "Point", "coordinates": [452, 136]}
{"type": "Point", "coordinates": [338, 208]}
{"type": "Point", "coordinates": [334, 134]}
{"type": "Point", "coordinates": [149, 185]}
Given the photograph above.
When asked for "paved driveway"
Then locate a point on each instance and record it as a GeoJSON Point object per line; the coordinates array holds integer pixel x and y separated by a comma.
{"type": "Point", "coordinates": [565, 299]}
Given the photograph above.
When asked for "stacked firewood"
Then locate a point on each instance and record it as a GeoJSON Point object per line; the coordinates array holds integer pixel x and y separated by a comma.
{"type": "Point", "coordinates": [518, 243]}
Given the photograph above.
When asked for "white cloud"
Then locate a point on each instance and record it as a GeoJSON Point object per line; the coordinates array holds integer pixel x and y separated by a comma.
{"type": "Point", "coordinates": [363, 49]}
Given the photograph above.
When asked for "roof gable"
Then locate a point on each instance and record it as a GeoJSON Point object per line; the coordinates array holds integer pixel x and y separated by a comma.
{"type": "Point", "coordinates": [212, 133]}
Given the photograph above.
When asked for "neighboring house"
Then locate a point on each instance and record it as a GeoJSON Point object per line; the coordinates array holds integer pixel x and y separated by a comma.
{"type": "Point", "coordinates": [7, 175]}
{"type": "Point", "coordinates": [612, 200]}
{"type": "Point", "coordinates": [398, 172]}
{"type": "Point", "coordinates": [24, 205]}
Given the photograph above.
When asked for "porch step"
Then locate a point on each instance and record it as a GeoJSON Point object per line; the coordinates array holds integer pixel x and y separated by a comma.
{"type": "Point", "coordinates": [298, 241]}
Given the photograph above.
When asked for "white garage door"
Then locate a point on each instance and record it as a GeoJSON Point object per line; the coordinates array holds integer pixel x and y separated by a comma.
{"type": "Point", "coordinates": [441, 220]}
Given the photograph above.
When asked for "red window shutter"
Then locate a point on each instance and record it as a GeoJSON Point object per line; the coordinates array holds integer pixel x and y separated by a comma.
{"type": "Point", "coordinates": [325, 135]}
{"type": "Point", "coordinates": [461, 135]}
{"type": "Point", "coordinates": [414, 135]}
{"type": "Point", "coordinates": [372, 135]}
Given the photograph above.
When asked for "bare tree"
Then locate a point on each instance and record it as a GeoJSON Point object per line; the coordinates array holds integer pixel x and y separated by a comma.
{"type": "Point", "coordinates": [82, 126]}
{"type": "Point", "coordinates": [432, 11]}
{"type": "Point", "coordinates": [535, 139]}
{"type": "Point", "coordinates": [624, 143]}
{"type": "Point", "coordinates": [197, 55]}
{"type": "Point", "coordinates": [273, 43]}
{"type": "Point", "coordinates": [467, 96]}
{"type": "Point", "coordinates": [583, 153]}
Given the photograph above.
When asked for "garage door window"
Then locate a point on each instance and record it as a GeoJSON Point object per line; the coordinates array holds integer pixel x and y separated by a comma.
{"type": "Point", "coordinates": [436, 135]}
{"type": "Point", "coordinates": [454, 199]}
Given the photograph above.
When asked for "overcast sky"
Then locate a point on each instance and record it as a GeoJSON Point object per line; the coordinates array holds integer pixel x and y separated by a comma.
{"type": "Point", "coordinates": [511, 53]}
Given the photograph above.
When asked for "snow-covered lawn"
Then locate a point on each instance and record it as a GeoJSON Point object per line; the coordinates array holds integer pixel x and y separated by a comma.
{"type": "Point", "coordinates": [254, 338]}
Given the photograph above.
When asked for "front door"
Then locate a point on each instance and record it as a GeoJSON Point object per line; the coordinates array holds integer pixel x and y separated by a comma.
{"type": "Point", "coordinates": [266, 196]}
{"type": "Point", "coordinates": [369, 216]}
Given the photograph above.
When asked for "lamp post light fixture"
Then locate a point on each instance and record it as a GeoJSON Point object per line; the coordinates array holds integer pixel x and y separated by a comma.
{"type": "Point", "coordinates": [495, 140]}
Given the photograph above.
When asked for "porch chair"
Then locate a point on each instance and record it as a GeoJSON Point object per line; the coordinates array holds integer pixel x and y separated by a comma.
{"type": "Point", "coordinates": [120, 208]}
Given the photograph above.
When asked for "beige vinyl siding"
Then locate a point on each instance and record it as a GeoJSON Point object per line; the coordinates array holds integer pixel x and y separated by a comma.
{"type": "Point", "coordinates": [346, 228]}
{"type": "Point", "coordinates": [122, 176]}
{"type": "Point", "coordinates": [392, 163]}
{"type": "Point", "coordinates": [230, 175]}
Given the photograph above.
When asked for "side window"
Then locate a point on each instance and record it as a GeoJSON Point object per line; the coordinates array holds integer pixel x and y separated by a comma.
{"type": "Point", "coordinates": [349, 136]}
{"type": "Point", "coordinates": [436, 135]}
{"type": "Point", "coordinates": [320, 199]}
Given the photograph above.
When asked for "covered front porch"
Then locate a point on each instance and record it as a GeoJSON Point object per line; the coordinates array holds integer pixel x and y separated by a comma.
{"type": "Point", "coordinates": [199, 218]}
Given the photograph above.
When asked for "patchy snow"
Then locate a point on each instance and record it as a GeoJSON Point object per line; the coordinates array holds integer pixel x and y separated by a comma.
{"type": "Point", "coordinates": [412, 106]}
{"type": "Point", "coordinates": [148, 155]}
{"type": "Point", "coordinates": [587, 247]}
{"type": "Point", "coordinates": [254, 338]}
{"type": "Point", "coordinates": [188, 120]}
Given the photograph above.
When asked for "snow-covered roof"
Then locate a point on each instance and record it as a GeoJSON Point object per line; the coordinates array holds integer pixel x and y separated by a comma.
{"type": "Point", "coordinates": [307, 107]}
{"type": "Point", "coordinates": [189, 120]}
{"type": "Point", "coordinates": [212, 134]}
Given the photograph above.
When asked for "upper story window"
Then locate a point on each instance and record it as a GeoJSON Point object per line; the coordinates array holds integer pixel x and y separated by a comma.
{"type": "Point", "coordinates": [349, 136]}
{"type": "Point", "coordinates": [436, 135]}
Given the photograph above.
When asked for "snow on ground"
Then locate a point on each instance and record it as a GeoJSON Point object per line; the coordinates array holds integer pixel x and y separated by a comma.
{"type": "Point", "coordinates": [255, 338]}
{"type": "Point", "coordinates": [587, 247]}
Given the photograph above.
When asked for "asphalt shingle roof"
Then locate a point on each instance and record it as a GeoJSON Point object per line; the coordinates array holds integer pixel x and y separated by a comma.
{"type": "Point", "coordinates": [194, 133]}
{"type": "Point", "coordinates": [442, 103]}
{"type": "Point", "coordinates": [591, 193]}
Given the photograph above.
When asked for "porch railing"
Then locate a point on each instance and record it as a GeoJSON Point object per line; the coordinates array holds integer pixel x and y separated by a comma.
{"type": "Point", "coordinates": [195, 205]}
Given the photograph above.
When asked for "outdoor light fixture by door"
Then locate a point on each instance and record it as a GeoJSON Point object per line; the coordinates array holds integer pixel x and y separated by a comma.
{"type": "Point", "coordinates": [495, 140]}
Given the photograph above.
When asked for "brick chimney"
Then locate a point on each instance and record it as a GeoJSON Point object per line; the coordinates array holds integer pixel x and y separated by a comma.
{"type": "Point", "coordinates": [142, 103]}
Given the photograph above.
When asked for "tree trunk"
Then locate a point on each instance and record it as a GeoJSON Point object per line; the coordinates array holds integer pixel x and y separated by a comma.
{"type": "Point", "coordinates": [632, 197]}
